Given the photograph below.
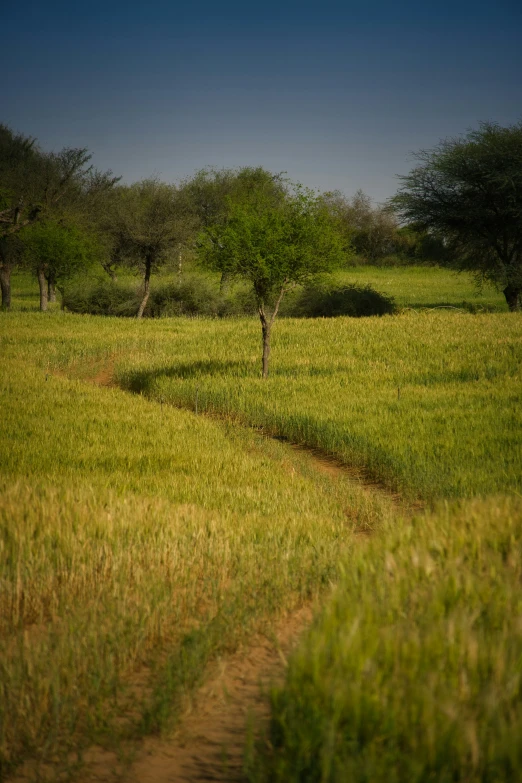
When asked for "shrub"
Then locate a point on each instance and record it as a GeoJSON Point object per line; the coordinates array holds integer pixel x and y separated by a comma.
{"type": "Point", "coordinates": [197, 294]}
{"type": "Point", "coordinates": [351, 300]}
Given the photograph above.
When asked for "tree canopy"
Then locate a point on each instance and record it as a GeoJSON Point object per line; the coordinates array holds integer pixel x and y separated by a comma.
{"type": "Point", "coordinates": [147, 225]}
{"type": "Point", "coordinates": [468, 193]}
{"type": "Point", "coordinates": [56, 252]}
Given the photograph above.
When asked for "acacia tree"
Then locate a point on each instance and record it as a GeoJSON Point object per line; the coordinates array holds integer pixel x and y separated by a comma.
{"type": "Point", "coordinates": [207, 196]}
{"type": "Point", "coordinates": [147, 224]}
{"type": "Point", "coordinates": [273, 245]}
{"type": "Point", "coordinates": [56, 252]}
{"type": "Point", "coordinates": [468, 193]}
{"type": "Point", "coordinates": [37, 185]}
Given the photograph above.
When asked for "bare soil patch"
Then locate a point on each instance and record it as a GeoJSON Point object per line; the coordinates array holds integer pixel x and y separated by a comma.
{"type": "Point", "coordinates": [209, 741]}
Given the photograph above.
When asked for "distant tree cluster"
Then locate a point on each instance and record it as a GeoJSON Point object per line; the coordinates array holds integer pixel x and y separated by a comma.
{"type": "Point", "coordinates": [59, 217]}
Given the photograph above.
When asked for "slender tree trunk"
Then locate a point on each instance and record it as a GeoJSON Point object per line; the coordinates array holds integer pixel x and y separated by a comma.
{"type": "Point", "coordinates": [513, 295]}
{"type": "Point", "coordinates": [224, 283]}
{"type": "Point", "coordinates": [180, 264]}
{"type": "Point", "coordinates": [42, 282]}
{"type": "Point", "coordinates": [146, 287]}
{"type": "Point", "coordinates": [110, 271]}
{"type": "Point", "coordinates": [5, 284]}
{"type": "Point", "coordinates": [265, 329]}
{"type": "Point", "coordinates": [51, 288]}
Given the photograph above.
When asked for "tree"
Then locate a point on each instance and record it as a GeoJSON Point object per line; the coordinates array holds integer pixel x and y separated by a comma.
{"type": "Point", "coordinates": [467, 192]}
{"type": "Point", "coordinates": [56, 252]}
{"type": "Point", "coordinates": [273, 244]}
{"type": "Point", "coordinates": [208, 194]}
{"type": "Point", "coordinates": [369, 231]}
{"type": "Point", "coordinates": [37, 185]}
{"type": "Point", "coordinates": [147, 225]}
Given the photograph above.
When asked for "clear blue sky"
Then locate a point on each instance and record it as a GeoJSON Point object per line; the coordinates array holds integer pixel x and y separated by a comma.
{"type": "Point", "coordinates": [336, 94]}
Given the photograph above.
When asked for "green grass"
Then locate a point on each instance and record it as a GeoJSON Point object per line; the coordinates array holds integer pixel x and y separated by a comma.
{"type": "Point", "coordinates": [428, 404]}
{"type": "Point", "coordinates": [412, 672]}
{"type": "Point", "coordinates": [425, 286]}
{"type": "Point", "coordinates": [138, 540]}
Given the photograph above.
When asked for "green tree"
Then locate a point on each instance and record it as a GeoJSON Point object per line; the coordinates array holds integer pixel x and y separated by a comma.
{"type": "Point", "coordinates": [56, 252]}
{"type": "Point", "coordinates": [37, 185]}
{"type": "Point", "coordinates": [467, 192]}
{"type": "Point", "coordinates": [208, 194]}
{"type": "Point", "coordinates": [369, 231]}
{"type": "Point", "coordinates": [147, 224]}
{"type": "Point", "coordinates": [273, 245]}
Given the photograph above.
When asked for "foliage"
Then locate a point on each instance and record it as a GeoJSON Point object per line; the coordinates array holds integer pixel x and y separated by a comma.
{"type": "Point", "coordinates": [198, 294]}
{"type": "Point", "coordinates": [370, 232]}
{"type": "Point", "coordinates": [327, 301]}
{"type": "Point", "coordinates": [208, 194]}
{"type": "Point", "coordinates": [412, 670]}
{"type": "Point", "coordinates": [468, 193]}
{"type": "Point", "coordinates": [62, 251]}
{"type": "Point", "coordinates": [147, 225]}
{"type": "Point", "coordinates": [102, 297]}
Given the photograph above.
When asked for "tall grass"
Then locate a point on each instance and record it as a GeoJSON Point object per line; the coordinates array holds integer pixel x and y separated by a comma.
{"type": "Point", "coordinates": [428, 404]}
{"type": "Point", "coordinates": [136, 542]}
{"type": "Point", "coordinates": [412, 670]}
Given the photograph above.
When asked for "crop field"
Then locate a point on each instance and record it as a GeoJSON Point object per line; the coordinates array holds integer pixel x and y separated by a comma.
{"type": "Point", "coordinates": [149, 524]}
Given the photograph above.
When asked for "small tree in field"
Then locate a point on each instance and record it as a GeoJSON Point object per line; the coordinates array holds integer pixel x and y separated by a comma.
{"type": "Point", "coordinates": [275, 245]}
{"type": "Point", "coordinates": [467, 192]}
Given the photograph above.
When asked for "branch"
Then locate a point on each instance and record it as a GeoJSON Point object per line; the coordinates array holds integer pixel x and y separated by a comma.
{"type": "Point", "coordinates": [278, 302]}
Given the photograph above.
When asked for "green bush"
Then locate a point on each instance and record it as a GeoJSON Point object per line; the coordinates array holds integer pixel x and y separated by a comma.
{"type": "Point", "coordinates": [317, 301]}
{"type": "Point", "coordinates": [102, 297]}
{"type": "Point", "coordinates": [196, 294]}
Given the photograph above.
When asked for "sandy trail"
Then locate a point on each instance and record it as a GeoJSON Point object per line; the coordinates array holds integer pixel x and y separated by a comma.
{"type": "Point", "coordinates": [209, 742]}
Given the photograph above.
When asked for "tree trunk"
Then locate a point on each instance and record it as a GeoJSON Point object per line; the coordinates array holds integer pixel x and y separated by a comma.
{"type": "Point", "coordinates": [42, 282]}
{"type": "Point", "coordinates": [5, 284]}
{"type": "Point", "coordinates": [512, 294]}
{"type": "Point", "coordinates": [146, 287]}
{"type": "Point", "coordinates": [51, 289]}
{"type": "Point", "coordinates": [224, 283]}
{"type": "Point", "coordinates": [266, 329]}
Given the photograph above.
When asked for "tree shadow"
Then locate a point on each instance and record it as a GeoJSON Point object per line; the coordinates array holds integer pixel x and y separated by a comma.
{"type": "Point", "coordinates": [142, 380]}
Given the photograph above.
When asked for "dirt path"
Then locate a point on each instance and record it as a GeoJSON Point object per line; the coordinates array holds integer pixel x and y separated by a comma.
{"type": "Point", "coordinates": [209, 743]}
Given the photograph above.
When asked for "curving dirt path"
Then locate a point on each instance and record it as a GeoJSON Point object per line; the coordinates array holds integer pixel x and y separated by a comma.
{"type": "Point", "coordinates": [209, 741]}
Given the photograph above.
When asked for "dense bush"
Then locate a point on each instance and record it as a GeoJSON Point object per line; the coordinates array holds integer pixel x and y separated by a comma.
{"type": "Point", "coordinates": [102, 297]}
{"type": "Point", "coordinates": [200, 295]}
{"type": "Point", "coordinates": [352, 300]}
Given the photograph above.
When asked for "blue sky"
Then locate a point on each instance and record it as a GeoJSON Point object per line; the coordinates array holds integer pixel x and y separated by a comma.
{"type": "Point", "coordinates": [338, 95]}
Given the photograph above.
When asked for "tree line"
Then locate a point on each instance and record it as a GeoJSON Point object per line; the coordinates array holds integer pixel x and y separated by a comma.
{"type": "Point", "coordinates": [58, 214]}
{"type": "Point", "coordinates": [461, 206]}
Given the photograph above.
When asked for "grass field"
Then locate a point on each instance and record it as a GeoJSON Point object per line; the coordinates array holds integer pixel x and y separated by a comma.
{"type": "Point", "coordinates": [138, 539]}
